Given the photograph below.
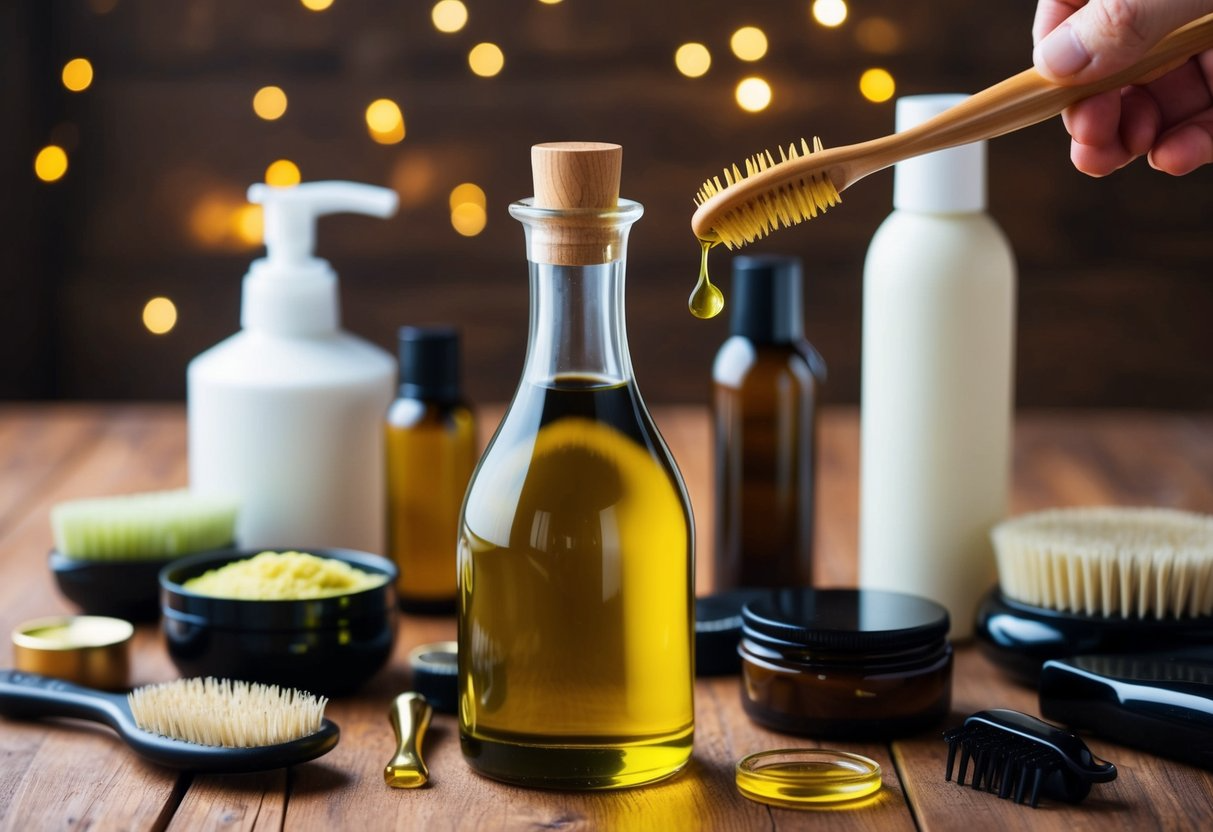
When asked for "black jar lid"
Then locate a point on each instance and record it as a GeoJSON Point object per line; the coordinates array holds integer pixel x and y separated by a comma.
{"type": "Point", "coordinates": [718, 630]}
{"type": "Point", "coordinates": [860, 620]}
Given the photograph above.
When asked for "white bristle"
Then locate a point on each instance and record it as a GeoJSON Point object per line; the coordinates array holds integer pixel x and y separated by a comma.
{"type": "Point", "coordinates": [221, 712]}
{"type": "Point", "coordinates": [1109, 561]}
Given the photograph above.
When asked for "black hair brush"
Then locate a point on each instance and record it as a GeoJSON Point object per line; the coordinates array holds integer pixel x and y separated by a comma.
{"type": "Point", "coordinates": [1018, 755]}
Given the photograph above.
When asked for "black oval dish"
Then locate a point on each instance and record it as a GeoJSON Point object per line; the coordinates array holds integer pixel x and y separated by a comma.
{"type": "Point", "coordinates": [1020, 638]}
{"type": "Point", "coordinates": [118, 588]}
{"type": "Point", "coordinates": [328, 646]}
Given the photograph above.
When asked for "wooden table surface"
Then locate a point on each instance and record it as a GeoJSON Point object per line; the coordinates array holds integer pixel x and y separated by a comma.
{"type": "Point", "coordinates": [66, 775]}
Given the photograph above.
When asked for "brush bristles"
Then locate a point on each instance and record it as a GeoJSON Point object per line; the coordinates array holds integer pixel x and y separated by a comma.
{"type": "Point", "coordinates": [1109, 562]}
{"type": "Point", "coordinates": [220, 712]}
{"type": "Point", "coordinates": [160, 524]}
{"type": "Point", "coordinates": [790, 204]}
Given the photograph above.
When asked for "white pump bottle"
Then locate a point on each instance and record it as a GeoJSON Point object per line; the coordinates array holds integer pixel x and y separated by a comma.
{"type": "Point", "coordinates": [936, 398]}
{"type": "Point", "coordinates": [286, 415]}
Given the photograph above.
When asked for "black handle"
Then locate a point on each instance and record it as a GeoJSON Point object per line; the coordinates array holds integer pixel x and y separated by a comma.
{"type": "Point", "coordinates": [28, 695]}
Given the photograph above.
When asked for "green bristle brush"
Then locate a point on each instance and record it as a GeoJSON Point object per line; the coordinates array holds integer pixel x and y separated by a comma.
{"type": "Point", "coordinates": [155, 525]}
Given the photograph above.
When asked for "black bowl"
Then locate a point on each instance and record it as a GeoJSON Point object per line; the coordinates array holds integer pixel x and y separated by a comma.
{"type": "Point", "coordinates": [127, 589]}
{"type": "Point", "coordinates": [328, 646]}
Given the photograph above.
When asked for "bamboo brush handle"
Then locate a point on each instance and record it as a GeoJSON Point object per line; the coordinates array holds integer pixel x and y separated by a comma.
{"type": "Point", "coordinates": [1028, 98]}
{"type": "Point", "coordinates": [1018, 102]}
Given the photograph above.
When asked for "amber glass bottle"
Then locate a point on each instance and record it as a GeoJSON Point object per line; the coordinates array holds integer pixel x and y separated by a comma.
{"type": "Point", "coordinates": [766, 381]}
{"type": "Point", "coordinates": [431, 451]}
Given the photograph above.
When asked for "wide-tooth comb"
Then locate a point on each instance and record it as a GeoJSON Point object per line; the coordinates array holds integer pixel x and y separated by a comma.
{"type": "Point", "coordinates": [1019, 756]}
{"type": "Point", "coordinates": [791, 203]}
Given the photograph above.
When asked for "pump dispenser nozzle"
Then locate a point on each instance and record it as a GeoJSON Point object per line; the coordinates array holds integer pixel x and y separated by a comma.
{"type": "Point", "coordinates": [291, 291]}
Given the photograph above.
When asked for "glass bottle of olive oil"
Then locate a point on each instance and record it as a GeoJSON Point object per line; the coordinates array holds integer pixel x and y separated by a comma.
{"type": "Point", "coordinates": [576, 547]}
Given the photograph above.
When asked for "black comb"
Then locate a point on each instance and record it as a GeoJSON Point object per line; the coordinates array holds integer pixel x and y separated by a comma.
{"type": "Point", "coordinates": [1019, 756]}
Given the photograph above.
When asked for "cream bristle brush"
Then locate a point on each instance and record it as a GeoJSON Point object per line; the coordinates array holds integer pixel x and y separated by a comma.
{"type": "Point", "coordinates": [206, 725]}
{"type": "Point", "coordinates": [1078, 581]}
{"type": "Point", "coordinates": [1108, 562]}
{"type": "Point", "coordinates": [770, 195]}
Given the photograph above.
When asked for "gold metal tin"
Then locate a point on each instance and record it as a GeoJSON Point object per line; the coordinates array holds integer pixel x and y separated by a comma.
{"type": "Point", "coordinates": [90, 650]}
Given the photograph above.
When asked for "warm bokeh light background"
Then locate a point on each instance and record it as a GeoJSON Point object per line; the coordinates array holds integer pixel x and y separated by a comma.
{"type": "Point", "coordinates": [133, 128]}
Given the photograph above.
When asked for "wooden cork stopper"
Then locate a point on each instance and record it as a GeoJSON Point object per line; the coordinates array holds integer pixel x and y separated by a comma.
{"type": "Point", "coordinates": [581, 178]}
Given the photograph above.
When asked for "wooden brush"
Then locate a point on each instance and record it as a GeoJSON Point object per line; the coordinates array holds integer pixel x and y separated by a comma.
{"type": "Point", "coordinates": [774, 194]}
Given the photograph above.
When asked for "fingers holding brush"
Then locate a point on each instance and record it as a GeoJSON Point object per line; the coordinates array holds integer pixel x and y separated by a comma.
{"type": "Point", "coordinates": [1169, 119]}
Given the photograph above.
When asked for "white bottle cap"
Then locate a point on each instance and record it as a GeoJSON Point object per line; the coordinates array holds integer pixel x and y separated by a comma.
{"type": "Point", "coordinates": [290, 291]}
{"type": "Point", "coordinates": [944, 182]}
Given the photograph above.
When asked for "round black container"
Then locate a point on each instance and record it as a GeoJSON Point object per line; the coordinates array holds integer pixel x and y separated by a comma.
{"type": "Point", "coordinates": [1020, 638]}
{"type": "Point", "coordinates": [328, 646]}
{"type": "Point", "coordinates": [118, 588]}
{"type": "Point", "coordinates": [845, 663]}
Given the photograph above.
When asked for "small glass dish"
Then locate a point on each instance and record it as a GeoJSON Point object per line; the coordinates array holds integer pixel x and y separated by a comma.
{"type": "Point", "coordinates": [798, 778]}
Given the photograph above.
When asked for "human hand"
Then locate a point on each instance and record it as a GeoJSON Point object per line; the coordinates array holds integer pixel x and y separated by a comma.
{"type": "Point", "coordinates": [1169, 118]}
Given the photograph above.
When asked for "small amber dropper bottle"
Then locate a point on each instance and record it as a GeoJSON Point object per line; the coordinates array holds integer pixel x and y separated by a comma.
{"type": "Point", "coordinates": [766, 382]}
{"type": "Point", "coordinates": [431, 451]}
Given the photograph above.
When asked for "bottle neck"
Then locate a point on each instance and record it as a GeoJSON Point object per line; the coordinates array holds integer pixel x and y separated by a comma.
{"type": "Point", "coordinates": [578, 332]}
{"type": "Point", "coordinates": [577, 324]}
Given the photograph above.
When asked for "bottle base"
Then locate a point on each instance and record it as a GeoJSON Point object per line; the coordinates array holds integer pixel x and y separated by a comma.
{"type": "Point", "coordinates": [578, 767]}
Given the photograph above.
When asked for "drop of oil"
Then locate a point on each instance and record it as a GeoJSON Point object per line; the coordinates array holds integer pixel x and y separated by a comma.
{"type": "Point", "coordinates": [706, 300]}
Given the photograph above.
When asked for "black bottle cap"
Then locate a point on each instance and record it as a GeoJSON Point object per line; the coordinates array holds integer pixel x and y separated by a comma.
{"type": "Point", "coordinates": [429, 362]}
{"type": "Point", "coordinates": [766, 298]}
{"type": "Point", "coordinates": [435, 669]}
{"type": "Point", "coordinates": [718, 630]}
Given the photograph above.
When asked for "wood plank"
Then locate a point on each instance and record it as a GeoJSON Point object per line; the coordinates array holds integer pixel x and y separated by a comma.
{"type": "Point", "coordinates": [236, 802]}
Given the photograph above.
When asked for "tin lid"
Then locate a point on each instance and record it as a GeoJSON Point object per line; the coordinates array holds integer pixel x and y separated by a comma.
{"type": "Point", "coordinates": [862, 620]}
{"type": "Point", "coordinates": [90, 650]}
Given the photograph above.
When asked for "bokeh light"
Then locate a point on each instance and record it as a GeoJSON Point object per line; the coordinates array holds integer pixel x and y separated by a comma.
{"type": "Point", "coordinates": [753, 94]}
{"type": "Point", "coordinates": [468, 218]}
{"type": "Point", "coordinates": [449, 15]}
{"type": "Point", "coordinates": [467, 192]}
{"type": "Point", "coordinates": [248, 224]}
{"type": "Point", "coordinates": [384, 121]}
{"type": "Point", "coordinates": [749, 43]}
{"type": "Point", "coordinates": [159, 316]}
{"type": "Point", "coordinates": [830, 13]}
{"type": "Point", "coordinates": [486, 59]}
{"type": "Point", "coordinates": [77, 74]}
{"type": "Point", "coordinates": [549, 2]}
{"type": "Point", "coordinates": [316, 5]}
{"type": "Point", "coordinates": [51, 163]}
{"type": "Point", "coordinates": [282, 174]}
{"type": "Point", "coordinates": [415, 178]}
{"type": "Point", "coordinates": [269, 103]}
{"type": "Point", "coordinates": [693, 59]}
{"type": "Point", "coordinates": [877, 85]}
{"type": "Point", "coordinates": [879, 35]}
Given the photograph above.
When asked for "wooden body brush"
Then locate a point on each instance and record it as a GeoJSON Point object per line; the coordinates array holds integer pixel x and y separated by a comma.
{"type": "Point", "coordinates": [806, 181]}
{"type": "Point", "coordinates": [209, 725]}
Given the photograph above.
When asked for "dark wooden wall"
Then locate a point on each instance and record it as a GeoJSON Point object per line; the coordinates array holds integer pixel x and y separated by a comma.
{"type": "Point", "coordinates": [1116, 275]}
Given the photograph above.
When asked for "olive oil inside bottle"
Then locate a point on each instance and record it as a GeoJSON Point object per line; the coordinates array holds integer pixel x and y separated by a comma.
{"type": "Point", "coordinates": [575, 596]}
{"type": "Point", "coordinates": [706, 300]}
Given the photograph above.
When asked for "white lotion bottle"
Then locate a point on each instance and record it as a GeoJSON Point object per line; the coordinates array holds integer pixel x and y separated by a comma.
{"type": "Point", "coordinates": [287, 415]}
{"type": "Point", "coordinates": [937, 380]}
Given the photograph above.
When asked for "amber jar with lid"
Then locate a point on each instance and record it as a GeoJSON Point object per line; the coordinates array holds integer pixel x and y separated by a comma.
{"type": "Point", "coordinates": [845, 663]}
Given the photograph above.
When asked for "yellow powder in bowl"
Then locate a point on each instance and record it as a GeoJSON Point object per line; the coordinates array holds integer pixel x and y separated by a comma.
{"type": "Point", "coordinates": [283, 576]}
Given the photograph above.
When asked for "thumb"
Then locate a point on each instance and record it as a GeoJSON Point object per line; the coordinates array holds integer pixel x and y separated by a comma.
{"type": "Point", "coordinates": [1105, 36]}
